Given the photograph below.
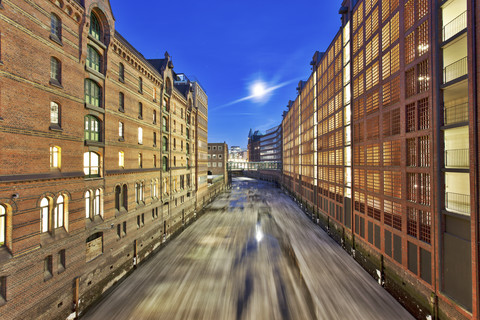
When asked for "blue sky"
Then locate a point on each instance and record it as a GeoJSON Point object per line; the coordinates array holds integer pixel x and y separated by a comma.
{"type": "Point", "coordinates": [230, 45]}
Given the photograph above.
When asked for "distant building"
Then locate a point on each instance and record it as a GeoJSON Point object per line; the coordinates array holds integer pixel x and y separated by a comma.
{"type": "Point", "coordinates": [254, 146]}
{"type": "Point", "coordinates": [237, 154]}
{"type": "Point", "coordinates": [271, 145]}
{"type": "Point", "coordinates": [217, 158]}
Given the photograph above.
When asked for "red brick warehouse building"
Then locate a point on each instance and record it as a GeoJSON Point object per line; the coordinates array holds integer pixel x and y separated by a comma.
{"type": "Point", "coordinates": [99, 150]}
{"type": "Point", "coordinates": [382, 144]}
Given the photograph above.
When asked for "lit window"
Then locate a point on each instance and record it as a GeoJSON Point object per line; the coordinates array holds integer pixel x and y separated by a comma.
{"type": "Point", "coordinates": [139, 192]}
{"type": "Point", "coordinates": [92, 93]}
{"type": "Point", "coordinates": [93, 59]}
{"type": "Point", "coordinates": [92, 130]}
{"type": "Point", "coordinates": [3, 225]}
{"type": "Point", "coordinates": [55, 157]}
{"type": "Point", "coordinates": [59, 212]}
{"type": "Point", "coordinates": [44, 215]}
{"type": "Point", "coordinates": [140, 135]}
{"type": "Point", "coordinates": [96, 203]}
{"type": "Point", "coordinates": [121, 72]}
{"type": "Point", "coordinates": [88, 198]}
{"type": "Point", "coordinates": [54, 114]}
{"type": "Point", "coordinates": [56, 27]}
{"type": "Point", "coordinates": [121, 159]}
{"type": "Point", "coordinates": [91, 164]}
{"type": "Point", "coordinates": [55, 70]}
{"type": "Point", "coordinates": [120, 130]}
{"type": "Point", "coordinates": [95, 29]}
{"type": "Point", "coordinates": [140, 160]}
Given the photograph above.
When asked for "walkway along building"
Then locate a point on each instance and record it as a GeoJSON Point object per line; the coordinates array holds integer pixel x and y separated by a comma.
{"type": "Point", "coordinates": [103, 155]}
{"type": "Point", "coordinates": [381, 143]}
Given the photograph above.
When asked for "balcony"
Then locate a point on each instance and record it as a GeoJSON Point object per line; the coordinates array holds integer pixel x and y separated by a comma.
{"type": "Point", "coordinates": [457, 158]}
{"type": "Point", "coordinates": [457, 202]}
{"type": "Point", "coordinates": [454, 26]}
{"type": "Point", "coordinates": [455, 114]}
{"type": "Point", "coordinates": [455, 70]}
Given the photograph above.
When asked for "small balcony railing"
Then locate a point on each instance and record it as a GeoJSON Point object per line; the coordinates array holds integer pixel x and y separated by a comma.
{"type": "Point", "coordinates": [455, 114]}
{"type": "Point", "coordinates": [457, 202]}
{"type": "Point", "coordinates": [455, 26]}
{"type": "Point", "coordinates": [455, 70]}
{"type": "Point", "coordinates": [457, 158]}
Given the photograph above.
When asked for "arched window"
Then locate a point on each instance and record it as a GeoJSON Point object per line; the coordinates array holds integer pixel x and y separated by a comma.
{"type": "Point", "coordinates": [121, 72]}
{"type": "Point", "coordinates": [164, 144]}
{"type": "Point", "coordinates": [45, 215]}
{"type": "Point", "coordinates": [88, 197]}
{"type": "Point", "coordinates": [165, 105]}
{"type": "Point", "coordinates": [3, 225]}
{"type": "Point", "coordinates": [125, 196]}
{"type": "Point", "coordinates": [165, 163]}
{"type": "Point", "coordinates": [140, 85]}
{"type": "Point", "coordinates": [95, 28]}
{"type": "Point", "coordinates": [91, 164]}
{"type": "Point", "coordinates": [164, 124]}
{"type": "Point", "coordinates": [55, 27]}
{"type": "Point", "coordinates": [121, 101]}
{"type": "Point", "coordinates": [140, 135]}
{"type": "Point", "coordinates": [118, 197]}
{"type": "Point", "coordinates": [121, 159]}
{"type": "Point", "coordinates": [93, 59]}
{"type": "Point", "coordinates": [59, 212]}
{"type": "Point", "coordinates": [93, 93]}
{"type": "Point", "coordinates": [54, 114]}
{"type": "Point", "coordinates": [55, 71]}
{"type": "Point", "coordinates": [97, 203]}
{"type": "Point", "coordinates": [139, 186]}
{"type": "Point", "coordinates": [92, 128]}
{"type": "Point", "coordinates": [55, 157]}
{"type": "Point", "coordinates": [140, 160]}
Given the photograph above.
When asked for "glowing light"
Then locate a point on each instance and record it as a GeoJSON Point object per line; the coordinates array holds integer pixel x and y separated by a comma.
{"type": "Point", "coordinates": [259, 90]}
{"type": "Point", "coordinates": [258, 233]}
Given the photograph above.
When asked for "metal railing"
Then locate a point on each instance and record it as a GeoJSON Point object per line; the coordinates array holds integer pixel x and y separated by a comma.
{"type": "Point", "coordinates": [455, 114]}
{"type": "Point", "coordinates": [455, 70]}
{"type": "Point", "coordinates": [458, 158]}
{"type": "Point", "coordinates": [457, 202]}
{"type": "Point", "coordinates": [455, 26]}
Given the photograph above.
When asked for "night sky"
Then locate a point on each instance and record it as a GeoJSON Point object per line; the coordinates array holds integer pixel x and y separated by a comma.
{"type": "Point", "coordinates": [231, 47]}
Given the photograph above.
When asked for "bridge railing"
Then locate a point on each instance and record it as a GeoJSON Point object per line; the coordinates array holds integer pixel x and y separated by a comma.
{"type": "Point", "coordinates": [253, 166]}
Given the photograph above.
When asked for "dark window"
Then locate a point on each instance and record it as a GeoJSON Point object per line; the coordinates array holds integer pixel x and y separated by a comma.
{"type": "Point", "coordinates": [47, 268]}
{"type": "Point", "coordinates": [154, 139]}
{"type": "Point", "coordinates": [140, 110]}
{"type": "Point", "coordinates": [164, 144]}
{"type": "Point", "coordinates": [92, 93]}
{"type": "Point", "coordinates": [165, 163]}
{"type": "Point", "coordinates": [125, 196]}
{"type": "Point", "coordinates": [56, 27]}
{"type": "Point", "coordinates": [124, 227]}
{"type": "Point", "coordinates": [154, 116]}
{"type": "Point", "coordinates": [118, 197]}
{"type": "Point", "coordinates": [121, 72]}
{"type": "Point", "coordinates": [61, 261]}
{"type": "Point", "coordinates": [92, 128]}
{"type": "Point", "coordinates": [140, 85]}
{"type": "Point", "coordinates": [121, 101]}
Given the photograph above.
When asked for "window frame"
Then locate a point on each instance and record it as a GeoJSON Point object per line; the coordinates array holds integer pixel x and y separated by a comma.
{"type": "Point", "coordinates": [93, 93]}
{"type": "Point", "coordinates": [88, 166]}
{"type": "Point", "coordinates": [90, 134]}
{"type": "Point", "coordinates": [94, 59]}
